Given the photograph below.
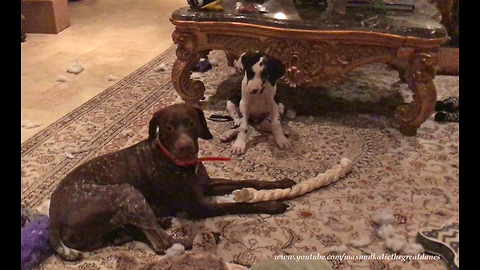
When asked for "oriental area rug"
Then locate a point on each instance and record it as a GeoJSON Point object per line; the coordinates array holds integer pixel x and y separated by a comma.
{"type": "Point", "coordinates": [416, 179]}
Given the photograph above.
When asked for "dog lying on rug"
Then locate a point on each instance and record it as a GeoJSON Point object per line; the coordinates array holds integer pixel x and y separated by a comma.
{"type": "Point", "coordinates": [256, 100]}
{"type": "Point", "coordinates": [116, 197]}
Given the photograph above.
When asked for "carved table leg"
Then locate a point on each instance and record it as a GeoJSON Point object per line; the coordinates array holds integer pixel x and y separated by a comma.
{"type": "Point", "coordinates": [419, 77]}
{"type": "Point", "coordinates": [230, 58]}
{"type": "Point", "coordinates": [190, 90]}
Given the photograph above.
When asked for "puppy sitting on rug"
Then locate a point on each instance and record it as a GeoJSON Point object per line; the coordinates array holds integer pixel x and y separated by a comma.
{"type": "Point", "coordinates": [256, 100]}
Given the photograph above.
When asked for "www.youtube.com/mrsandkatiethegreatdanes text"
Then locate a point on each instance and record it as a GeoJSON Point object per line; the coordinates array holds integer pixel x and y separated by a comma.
{"type": "Point", "coordinates": [344, 256]}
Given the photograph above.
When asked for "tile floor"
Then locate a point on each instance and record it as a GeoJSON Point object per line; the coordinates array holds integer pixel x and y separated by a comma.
{"type": "Point", "coordinates": [110, 37]}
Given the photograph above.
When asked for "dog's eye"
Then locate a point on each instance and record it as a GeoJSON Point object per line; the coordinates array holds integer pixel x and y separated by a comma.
{"type": "Point", "coordinates": [169, 128]}
{"type": "Point", "coordinates": [190, 124]}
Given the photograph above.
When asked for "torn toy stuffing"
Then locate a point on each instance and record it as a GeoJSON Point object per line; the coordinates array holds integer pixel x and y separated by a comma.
{"type": "Point", "coordinates": [362, 242]}
{"type": "Point", "coordinates": [175, 250]}
{"type": "Point", "coordinates": [75, 67]}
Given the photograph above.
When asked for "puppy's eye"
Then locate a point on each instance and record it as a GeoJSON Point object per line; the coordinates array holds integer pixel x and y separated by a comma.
{"type": "Point", "coordinates": [169, 128]}
{"type": "Point", "coordinates": [190, 124]}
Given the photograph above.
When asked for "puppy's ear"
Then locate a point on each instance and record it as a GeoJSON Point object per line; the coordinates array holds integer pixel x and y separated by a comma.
{"type": "Point", "coordinates": [248, 59]}
{"type": "Point", "coordinates": [153, 125]}
{"type": "Point", "coordinates": [204, 132]}
{"type": "Point", "coordinates": [275, 68]}
{"type": "Point", "coordinates": [239, 64]}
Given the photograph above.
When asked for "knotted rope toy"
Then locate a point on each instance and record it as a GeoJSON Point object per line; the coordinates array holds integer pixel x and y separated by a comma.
{"type": "Point", "coordinates": [251, 195]}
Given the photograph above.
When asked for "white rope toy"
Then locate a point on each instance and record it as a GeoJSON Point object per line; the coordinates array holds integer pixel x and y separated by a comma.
{"type": "Point", "coordinates": [251, 195]}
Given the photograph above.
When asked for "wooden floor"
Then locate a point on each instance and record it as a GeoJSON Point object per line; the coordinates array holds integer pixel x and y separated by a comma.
{"type": "Point", "coordinates": [109, 37]}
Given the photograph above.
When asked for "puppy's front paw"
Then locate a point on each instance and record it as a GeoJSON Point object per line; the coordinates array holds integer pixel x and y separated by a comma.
{"type": "Point", "coordinates": [282, 142]}
{"type": "Point", "coordinates": [238, 148]}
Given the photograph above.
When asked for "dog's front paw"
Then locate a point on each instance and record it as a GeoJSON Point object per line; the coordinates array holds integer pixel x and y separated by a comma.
{"type": "Point", "coordinates": [282, 142]}
{"type": "Point", "coordinates": [285, 183]}
{"type": "Point", "coordinates": [238, 148]}
{"type": "Point", "coordinates": [272, 207]}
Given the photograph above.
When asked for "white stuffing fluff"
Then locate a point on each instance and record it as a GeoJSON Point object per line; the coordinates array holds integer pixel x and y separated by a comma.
{"type": "Point", "coordinates": [386, 231]}
{"type": "Point", "coordinates": [175, 250]}
{"type": "Point", "coordinates": [338, 249]}
{"type": "Point", "coordinates": [75, 67]}
{"type": "Point", "coordinates": [161, 67]}
{"type": "Point", "coordinates": [383, 216]}
{"type": "Point", "coordinates": [396, 243]}
{"type": "Point", "coordinates": [63, 78]}
{"type": "Point", "coordinates": [74, 150]}
{"type": "Point", "coordinates": [362, 242]}
{"type": "Point", "coordinates": [325, 218]}
{"type": "Point", "coordinates": [69, 152]}
{"type": "Point", "coordinates": [28, 125]}
{"type": "Point", "coordinates": [196, 75]}
{"type": "Point", "coordinates": [213, 62]}
{"type": "Point", "coordinates": [179, 100]}
{"type": "Point", "coordinates": [413, 249]}
{"type": "Point", "coordinates": [291, 114]}
{"type": "Point", "coordinates": [111, 78]}
{"type": "Point", "coordinates": [393, 241]}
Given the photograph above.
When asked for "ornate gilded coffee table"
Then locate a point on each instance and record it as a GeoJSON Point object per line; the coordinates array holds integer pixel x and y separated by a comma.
{"type": "Point", "coordinates": [317, 47]}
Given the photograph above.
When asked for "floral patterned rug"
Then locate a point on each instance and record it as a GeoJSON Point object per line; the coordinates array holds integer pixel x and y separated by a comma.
{"type": "Point", "coordinates": [416, 178]}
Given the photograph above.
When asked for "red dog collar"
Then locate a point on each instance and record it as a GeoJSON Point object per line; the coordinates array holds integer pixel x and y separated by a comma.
{"type": "Point", "coordinates": [189, 163]}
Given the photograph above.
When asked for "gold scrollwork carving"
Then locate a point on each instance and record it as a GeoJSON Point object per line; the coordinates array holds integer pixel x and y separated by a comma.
{"type": "Point", "coordinates": [186, 44]}
{"type": "Point", "coordinates": [418, 75]}
{"type": "Point", "coordinates": [190, 90]}
{"type": "Point", "coordinates": [321, 63]}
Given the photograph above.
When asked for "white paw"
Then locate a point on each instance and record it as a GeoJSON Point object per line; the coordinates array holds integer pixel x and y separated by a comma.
{"type": "Point", "coordinates": [68, 254]}
{"type": "Point", "coordinates": [283, 143]}
{"type": "Point", "coordinates": [238, 148]}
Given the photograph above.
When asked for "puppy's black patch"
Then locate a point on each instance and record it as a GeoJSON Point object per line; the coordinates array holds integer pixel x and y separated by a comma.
{"type": "Point", "coordinates": [249, 59]}
{"type": "Point", "coordinates": [235, 96]}
{"type": "Point", "coordinates": [273, 68]}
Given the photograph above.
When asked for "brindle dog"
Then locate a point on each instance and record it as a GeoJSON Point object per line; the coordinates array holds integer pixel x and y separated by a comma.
{"type": "Point", "coordinates": [104, 198]}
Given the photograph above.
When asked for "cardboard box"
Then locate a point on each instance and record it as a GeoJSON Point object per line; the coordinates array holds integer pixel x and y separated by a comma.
{"type": "Point", "coordinates": [45, 16]}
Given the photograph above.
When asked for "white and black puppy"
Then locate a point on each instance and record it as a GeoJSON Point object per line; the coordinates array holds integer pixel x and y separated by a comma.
{"type": "Point", "coordinates": [256, 100]}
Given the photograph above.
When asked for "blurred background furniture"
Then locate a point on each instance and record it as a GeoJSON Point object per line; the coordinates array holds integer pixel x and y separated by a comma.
{"type": "Point", "coordinates": [45, 16]}
{"type": "Point", "coordinates": [24, 36]}
{"type": "Point", "coordinates": [318, 47]}
{"type": "Point", "coordinates": [449, 63]}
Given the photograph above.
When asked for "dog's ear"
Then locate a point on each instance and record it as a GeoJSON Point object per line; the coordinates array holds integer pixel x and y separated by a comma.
{"type": "Point", "coordinates": [275, 68]}
{"type": "Point", "coordinates": [153, 125]}
{"type": "Point", "coordinates": [204, 132]}
{"type": "Point", "coordinates": [239, 64]}
{"type": "Point", "coordinates": [248, 59]}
